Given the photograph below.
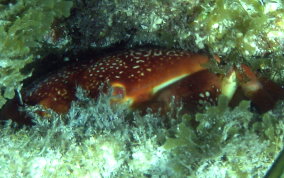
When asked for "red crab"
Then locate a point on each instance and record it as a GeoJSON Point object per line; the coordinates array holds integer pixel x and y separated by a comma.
{"type": "Point", "coordinates": [146, 78]}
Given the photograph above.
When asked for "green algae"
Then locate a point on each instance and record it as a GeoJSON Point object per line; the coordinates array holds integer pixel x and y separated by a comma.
{"type": "Point", "coordinates": [233, 141]}
{"type": "Point", "coordinates": [243, 31]}
{"type": "Point", "coordinates": [247, 26]}
{"type": "Point", "coordinates": [250, 27]}
{"type": "Point", "coordinates": [94, 139]}
{"type": "Point", "coordinates": [24, 27]}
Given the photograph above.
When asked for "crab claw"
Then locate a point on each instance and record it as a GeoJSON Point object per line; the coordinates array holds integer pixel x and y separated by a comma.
{"type": "Point", "coordinates": [194, 91]}
{"type": "Point", "coordinates": [263, 93]}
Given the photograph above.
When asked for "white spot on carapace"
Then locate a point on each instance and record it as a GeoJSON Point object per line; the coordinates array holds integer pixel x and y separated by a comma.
{"type": "Point", "coordinates": [139, 61]}
{"type": "Point", "coordinates": [139, 53]}
{"type": "Point", "coordinates": [135, 67]}
{"type": "Point", "coordinates": [148, 53]}
{"type": "Point", "coordinates": [157, 53]}
{"type": "Point", "coordinates": [207, 93]}
{"type": "Point", "coordinates": [172, 53]}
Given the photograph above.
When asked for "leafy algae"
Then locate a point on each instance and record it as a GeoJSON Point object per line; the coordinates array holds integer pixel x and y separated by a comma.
{"type": "Point", "coordinates": [24, 25]}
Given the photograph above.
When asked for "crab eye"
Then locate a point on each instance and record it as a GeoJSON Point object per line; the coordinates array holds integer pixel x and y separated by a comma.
{"type": "Point", "coordinates": [118, 92]}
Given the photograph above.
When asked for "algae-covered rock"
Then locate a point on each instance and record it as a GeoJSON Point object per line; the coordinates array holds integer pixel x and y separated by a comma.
{"type": "Point", "coordinates": [238, 31]}
{"type": "Point", "coordinates": [95, 140]}
{"type": "Point", "coordinates": [92, 140]}
{"type": "Point", "coordinates": [106, 23]}
{"type": "Point", "coordinates": [250, 27]}
{"type": "Point", "coordinates": [249, 31]}
{"type": "Point", "coordinates": [226, 142]}
{"type": "Point", "coordinates": [24, 26]}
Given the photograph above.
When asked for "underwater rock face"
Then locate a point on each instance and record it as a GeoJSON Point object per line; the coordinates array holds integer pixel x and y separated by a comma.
{"type": "Point", "coordinates": [252, 27]}
{"type": "Point", "coordinates": [143, 78]}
